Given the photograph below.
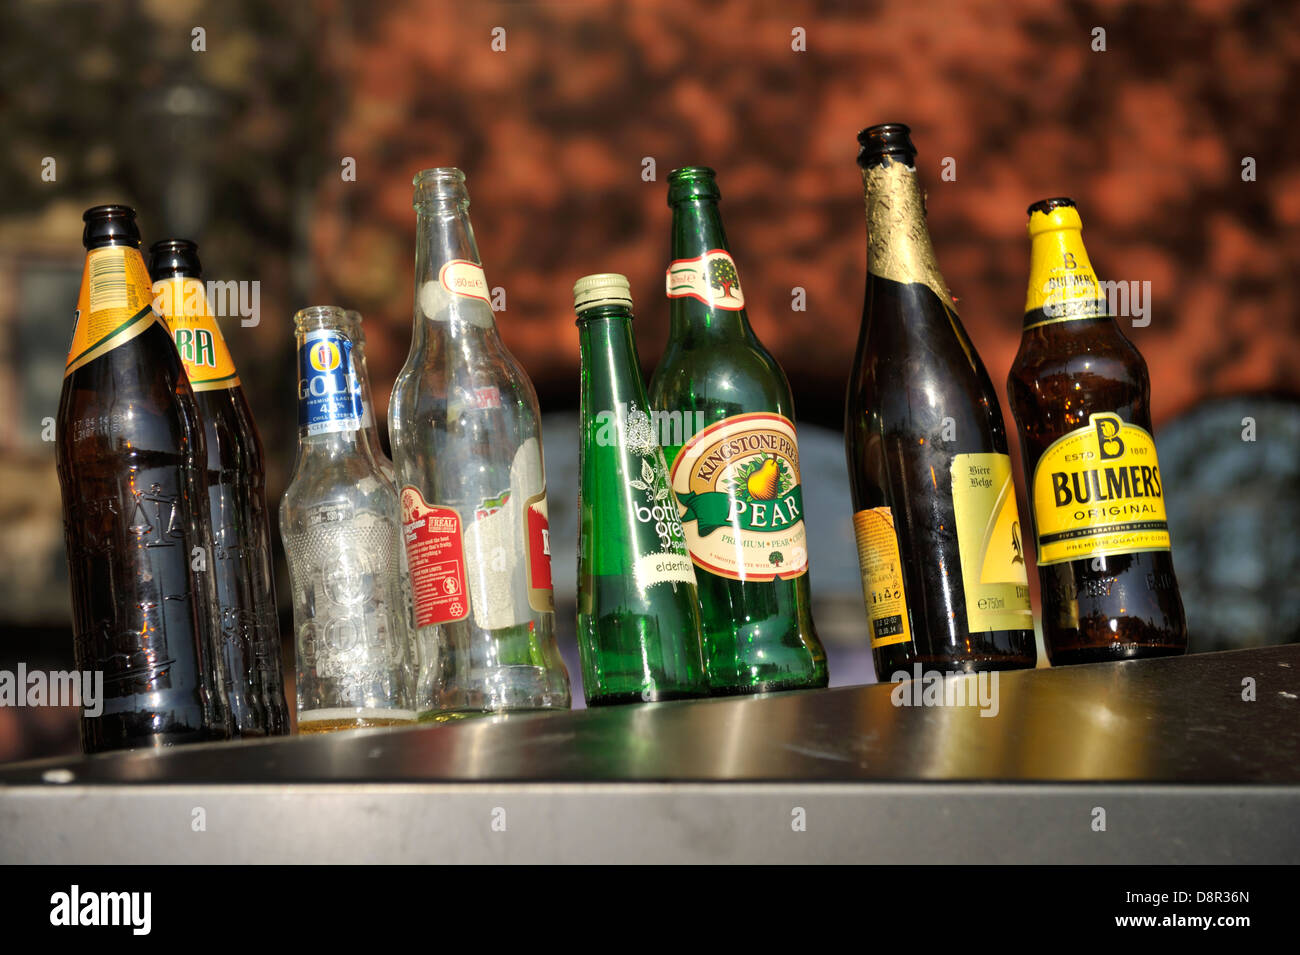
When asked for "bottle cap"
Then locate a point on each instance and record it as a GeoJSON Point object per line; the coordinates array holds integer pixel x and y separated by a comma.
{"type": "Point", "coordinates": [171, 257]}
{"type": "Point", "coordinates": [1051, 215]}
{"type": "Point", "coordinates": [603, 288]}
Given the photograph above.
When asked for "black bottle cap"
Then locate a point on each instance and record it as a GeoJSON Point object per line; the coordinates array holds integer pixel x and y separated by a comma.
{"type": "Point", "coordinates": [888, 139]}
{"type": "Point", "coordinates": [1047, 205]}
{"type": "Point", "coordinates": [174, 257]}
{"type": "Point", "coordinates": [109, 225]}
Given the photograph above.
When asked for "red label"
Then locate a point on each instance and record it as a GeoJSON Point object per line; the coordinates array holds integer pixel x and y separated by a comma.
{"type": "Point", "coordinates": [436, 559]}
{"type": "Point", "coordinates": [538, 528]}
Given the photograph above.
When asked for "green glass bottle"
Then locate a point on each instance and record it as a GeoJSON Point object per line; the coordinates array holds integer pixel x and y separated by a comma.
{"type": "Point", "coordinates": [638, 610]}
{"type": "Point", "coordinates": [725, 417]}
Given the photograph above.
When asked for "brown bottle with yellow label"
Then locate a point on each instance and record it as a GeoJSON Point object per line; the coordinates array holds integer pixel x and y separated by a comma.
{"type": "Point", "coordinates": [130, 451]}
{"type": "Point", "coordinates": [939, 543]}
{"type": "Point", "coordinates": [1080, 394]}
{"type": "Point", "coordinates": [236, 484]}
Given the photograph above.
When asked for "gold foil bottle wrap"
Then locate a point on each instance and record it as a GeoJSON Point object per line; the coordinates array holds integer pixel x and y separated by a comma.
{"type": "Point", "coordinates": [898, 242]}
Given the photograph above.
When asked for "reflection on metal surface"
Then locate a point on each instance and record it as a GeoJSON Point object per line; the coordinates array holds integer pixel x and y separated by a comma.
{"type": "Point", "coordinates": [1178, 719]}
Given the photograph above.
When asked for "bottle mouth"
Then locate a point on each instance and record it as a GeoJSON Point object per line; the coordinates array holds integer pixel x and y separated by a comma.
{"type": "Point", "coordinates": [1047, 205]}
{"type": "Point", "coordinates": [332, 317]}
{"type": "Point", "coordinates": [886, 141]}
{"type": "Point", "coordinates": [1053, 215]}
{"type": "Point", "coordinates": [174, 257]}
{"type": "Point", "coordinates": [442, 184]}
{"type": "Point", "coordinates": [692, 182]}
{"type": "Point", "coordinates": [109, 225]}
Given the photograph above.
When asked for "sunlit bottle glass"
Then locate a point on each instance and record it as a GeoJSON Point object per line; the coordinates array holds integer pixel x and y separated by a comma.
{"type": "Point", "coordinates": [467, 449]}
{"type": "Point", "coordinates": [939, 537]}
{"type": "Point", "coordinates": [370, 433]}
{"type": "Point", "coordinates": [726, 419]}
{"type": "Point", "coordinates": [342, 539]}
{"type": "Point", "coordinates": [1081, 396]}
{"type": "Point", "coordinates": [131, 454]}
{"type": "Point", "coordinates": [638, 607]}
{"type": "Point", "coordinates": [236, 483]}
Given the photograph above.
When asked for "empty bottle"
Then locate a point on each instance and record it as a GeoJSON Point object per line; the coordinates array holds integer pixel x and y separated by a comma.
{"type": "Point", "coordinates": [638, 606]}
{"type": "Point", "coordinates": [131, 455]}
{"type": "Point", "coordinates": [467, 448]}
{"type": "Point", "coordinates": [342, 538]}
{"type": "Point", "coordinates": [939, 540]}
{"type": "Point", "coordinates": [730, 444]}
{"type": "Point", "coordinates": [236, 480]}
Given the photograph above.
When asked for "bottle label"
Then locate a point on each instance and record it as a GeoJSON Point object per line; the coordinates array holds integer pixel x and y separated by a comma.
{"type": "Point", "coordinates": [650, 494]}
{"type": "Point", "coordinates": [988, 536]}
{"type": "Point", "coordinates": [882, 576]}
{"type": "Point", "coordinates": [435, 556]}
{"type": "Point", "coordinates": [1062, 285]}
{"type": "Point", "coordinates": [537, 532]}
{"type": "Point", "coordinates": [329, 392]}
{"type": "Point", "coordinates": [114, 306]}
{"type": "Point", "coordinates": [737, 483]}
{"type": "Point", "coordinates": [1097, 492]}
{"type": "Point", "coordinates": [898, 241]}
{"type": "Point", "coordinates": [464, 278]}
{"type": "Point", "coordinates": [183, 304]}
{"type": "Point", "coordinates": [711, 279]}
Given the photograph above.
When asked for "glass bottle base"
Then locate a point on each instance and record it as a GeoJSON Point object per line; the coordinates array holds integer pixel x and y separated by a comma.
{"type": "Point", "coordinates": [1111, 654]}
{"type": "Point", "coordinates": [334, 720]}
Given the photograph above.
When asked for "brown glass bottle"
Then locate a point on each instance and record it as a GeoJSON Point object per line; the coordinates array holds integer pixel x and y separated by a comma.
{"type": "Point", "coordinates": [1080, 394]}
{"type": "Point", "coordinates": [934, 505]}
{"type": "Point", "coordinates": [130, 456]}
{"type": "Point", "coordinates": [241, 558]}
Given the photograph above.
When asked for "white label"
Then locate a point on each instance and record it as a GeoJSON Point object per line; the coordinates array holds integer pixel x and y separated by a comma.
{"type": "Point", "coordinates": [466, 279]}
{"type": "Point", "coordinates": [711, 278]}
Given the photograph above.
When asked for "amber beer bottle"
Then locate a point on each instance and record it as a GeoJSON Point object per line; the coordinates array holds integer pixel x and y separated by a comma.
{"type": "Point", "coordinates": [1080, 394]}
{"type": "Point", "coordinates": [241, 558]}
{"type": "Point", "coordinates": [131, 461]}
{"type": "Point", "coordinates": [943, 572]}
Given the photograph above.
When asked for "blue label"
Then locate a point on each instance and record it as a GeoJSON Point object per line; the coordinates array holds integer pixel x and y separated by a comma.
{"type": "Point", "coordinates": [329, 393]}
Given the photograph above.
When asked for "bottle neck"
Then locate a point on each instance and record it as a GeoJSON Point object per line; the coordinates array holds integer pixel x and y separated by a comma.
{"type": "Point", "coordinates": [114, 305]}
{"type": "Point", "coordinates": [1062, 284]}
{"type": "Point", "coordinates": [183, 303]}
{"type": "Point", "coordinates": [452, 297]}
{"type": "Point", "coordinates": [704, 289]}
{"type": "Point", "coordinates": [898, 240]}
{"type": "Point", "coordinates": [330, 395]}
{"type": "Point", "coordinates": [610, 372]}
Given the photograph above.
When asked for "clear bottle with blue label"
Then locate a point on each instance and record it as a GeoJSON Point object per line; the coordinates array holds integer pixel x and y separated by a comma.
{"type": "Point", "coordinates": [342, 537]}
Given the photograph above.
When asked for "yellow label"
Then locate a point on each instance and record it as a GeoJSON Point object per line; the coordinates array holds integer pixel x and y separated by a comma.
{"type": "Point", "coordinates": [882, 576]}
{"type": "Point", "coordinates": [1097, 492]}
{"type": "Point", "coordinates": [114, 306]}
{"type": "Point", "coordinates": [183, 303]}
{"type": "Point", "coordinates": [988, 536]}
{"type": "Point", "coordinates": [1062, 285]}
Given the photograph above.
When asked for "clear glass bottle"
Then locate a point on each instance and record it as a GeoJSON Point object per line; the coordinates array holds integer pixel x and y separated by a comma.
{"type": "Point", "coordinates": [342, 538]}
{"type": "Point", "coordinates": [467, 448]}
{"type": "Point", "coordinates": [370, 433]}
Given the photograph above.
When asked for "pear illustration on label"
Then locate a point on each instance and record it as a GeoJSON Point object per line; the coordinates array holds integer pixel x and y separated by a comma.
{"type": "Point", "coordinates": [737, 484]}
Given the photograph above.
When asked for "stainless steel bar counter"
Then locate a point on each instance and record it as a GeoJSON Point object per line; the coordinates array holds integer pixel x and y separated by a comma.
{"type": "Point", "coordinates": [1179, 760]}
